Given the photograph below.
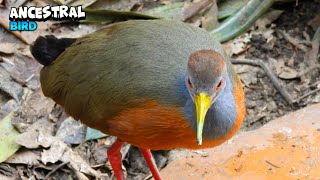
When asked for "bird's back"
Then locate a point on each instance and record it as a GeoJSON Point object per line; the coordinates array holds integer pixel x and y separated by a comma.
{"type": "Point", "coordinates": [118, 67]}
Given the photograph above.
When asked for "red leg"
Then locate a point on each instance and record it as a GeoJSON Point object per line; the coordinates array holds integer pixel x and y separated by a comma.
{"type": "Point", "coordinates": [115, 159]}
{"type": "Point", "coordinates": [151, 163]}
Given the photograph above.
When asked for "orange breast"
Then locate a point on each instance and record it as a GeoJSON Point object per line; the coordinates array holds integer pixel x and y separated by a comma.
{"type": "Point", "coordinates": [156, 127]}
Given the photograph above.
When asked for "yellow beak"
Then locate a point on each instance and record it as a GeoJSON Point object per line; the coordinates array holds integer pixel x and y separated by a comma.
{"type": "Point", "coordinates": [203, 103]}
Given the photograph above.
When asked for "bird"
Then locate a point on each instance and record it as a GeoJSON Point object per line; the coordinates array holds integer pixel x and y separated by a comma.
{"type": "Point", "coordinates": [156, 84]}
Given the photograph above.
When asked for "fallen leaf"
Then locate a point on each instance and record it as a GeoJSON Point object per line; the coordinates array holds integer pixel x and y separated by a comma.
{"type": "Point", "coordinates": [276, 64]}
{"type": "Point", "coordinates": [8, 136]}
{"type": "Point", "coordinates": [8, 107]}
{"type": "Point", "coordinates": [239, 44]}
{"type": "Point", "coordinates": [31, 109]}
{"type": "Point", "coordinates": [78, 164]}
{"type": "Point", "coordinates": [52, 155]}
{"type": "Point", "coordinates": [209, 20]}
{"type": "Point", "coordinates": [99, 154]}
{"type": "Point", "coordinates": [193, 8]}
{"type": "Point", "coordinates": [3, 177]}
{"type": "Point", "coordinates": [26, 157]}
{"type": "Point", "coordinates": [283, 71]}
{"type": "Point", "coordinates": [71, 131]}
{"type": "Point", "coordinates": [25, 68]}
{"type": "Point", "coordinates": [288, 73]}
{"type": "Point", "coordinates": [94, 134]}
{"type": "Point", "coordinates": [7, 48]}
{"type": "Point", "coordinates": [9, 86]}
{"type": "Point", "coordinates": [38, 134]}
{"type": "Point", "coordinates": [248, 74]}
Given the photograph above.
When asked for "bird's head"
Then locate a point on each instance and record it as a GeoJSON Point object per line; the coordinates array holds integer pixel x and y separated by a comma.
{"type": "Point", "coordinates": [205, 80]}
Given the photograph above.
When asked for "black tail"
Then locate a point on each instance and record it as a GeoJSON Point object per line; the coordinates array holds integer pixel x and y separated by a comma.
{"type": "Point", "coordinates": [47, 49]}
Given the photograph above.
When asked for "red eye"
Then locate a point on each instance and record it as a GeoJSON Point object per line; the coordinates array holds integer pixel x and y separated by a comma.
{"type": "Point", "coordinates": [219, 85]}
{"type": "Point", "coordinates": [189, 83]}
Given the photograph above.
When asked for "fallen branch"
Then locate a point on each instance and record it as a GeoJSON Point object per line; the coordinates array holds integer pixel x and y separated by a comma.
{"type": "Point", "coordinates": [5, 25]}
{"type": "Point", "coordinates": [282, 90]}
{"type": "Point", "coordinates": [306, 95]}
{"type": "Point", "coordinates": [286, 95]}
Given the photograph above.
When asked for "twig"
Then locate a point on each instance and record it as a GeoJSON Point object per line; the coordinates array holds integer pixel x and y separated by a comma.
{"type": "Point", "coordinates": [55, 169]}
{"type": "Point", "coordinates": [293, 41]}
{"type": "Point", "coordinates": [148, 176]}
{"type": "Point", "coordinates": [272, 164]}
{"type": "Point", "coordinates": [194, 9]}
{"type": "Point", "coordinates": [5, 24]}
{"type": "Point", "coordinates": [29, 78]}
{"type": "Point", "coordinates": [302, 73]}
{"type": "Point", "coordinates": [306, 95]}
{"type": "Point", "coordinates": [286, 95]}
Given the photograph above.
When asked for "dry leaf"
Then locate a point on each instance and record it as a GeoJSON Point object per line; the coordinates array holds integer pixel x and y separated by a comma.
{"type": "Point", "coordinates": [239, 44]}
{"type": "Point", "coordinates": [9, 86]}
{"type": "Point", "coordinates": [52, 155]}
{"type": "Point", "coordinates": [288, 73]}
{"type": "Point", "coordinates": [24, 68]}
{"type": "Point", "coordinates": [24, 157]}
{"type": "Point", "coordinates": [39, 134]}
{"type": "Point", "coordinates": [71, 131]}
{"type": "Point", "coordinates": [248, 74]}
{"type": "Point", "coordinates": [7, 48]}
{"type": "Point", "coordinates": [34, 105]}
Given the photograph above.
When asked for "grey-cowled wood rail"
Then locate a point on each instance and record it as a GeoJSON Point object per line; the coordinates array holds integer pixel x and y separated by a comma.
{"type": "Point", "coordinates": [156, 84]}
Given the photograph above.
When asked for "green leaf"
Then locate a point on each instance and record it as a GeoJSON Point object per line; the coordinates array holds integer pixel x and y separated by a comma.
{"type": "Point", "coordinates": [241, 21]}
{"type": "Point", "coordinates": [230, 7]}
{"type": "Point", "coordinates": [8, 136]}
{"type": "Point", "coordinates": [94, 134]}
